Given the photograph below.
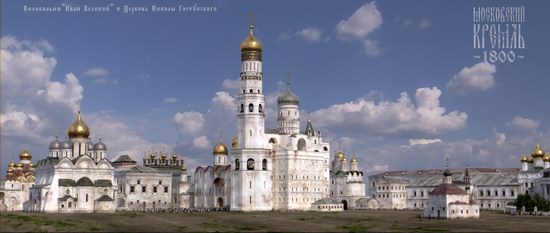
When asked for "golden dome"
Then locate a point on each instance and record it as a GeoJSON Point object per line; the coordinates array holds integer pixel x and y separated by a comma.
{"type": "Point", "coordinates": [345, 159]}
{"type": "Point", "coordinates": [546, 157]}
{"type": "Point", "coordinates": [220, 149]}
{"type": "Point", "coordinates": [19, 165]}
{"type": "Point", "coordinates": [235, 143]}
{"type": "Point", "coordinates": [11, 165]}
{"type": "Point", "coordinates": [251, 43]}
{"type": "Point", "coordinates": [523, 158]}
{"type": "Point", "coordinates": [174, 156]}
{"type": "Point", "coordinates": [537, 152]}
{"type": "Point", "coordinates": [33, 165]}
{"type": "Point", "coordinates": [183, 167]}
{"type": "Point", "coordinates": [78, 129]}
{"type": "Point", "coordinates": [10, 170]}
{"type": "Point", "coordinates": [339, 155]}
{"type": "Point", "coordinates": [152, 155]}
{"type": "Point", "coordinates": [163, 156]}
{"type": "Point", "coordinates": [25, 155]}
{"type": "Point", "coordinates": [354, 159]}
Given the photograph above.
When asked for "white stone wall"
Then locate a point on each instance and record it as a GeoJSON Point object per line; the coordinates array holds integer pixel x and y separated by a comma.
{"type": "Point", "coordinates": [139, 200]}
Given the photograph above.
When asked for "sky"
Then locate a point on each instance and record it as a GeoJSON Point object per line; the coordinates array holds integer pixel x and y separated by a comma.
{"type": "Point", "coordinates": [398, 83]}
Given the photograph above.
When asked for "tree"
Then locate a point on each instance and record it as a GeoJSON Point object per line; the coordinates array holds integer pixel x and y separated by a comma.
{"type": "Point", "coordinates": [531, 201]}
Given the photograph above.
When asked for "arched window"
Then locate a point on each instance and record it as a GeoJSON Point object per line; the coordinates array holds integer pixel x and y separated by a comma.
{"type": "Point", "coordinates": [272, 140]}
{"type": "Point", "coordinates": [237, 164]}
{"type": "Point", "coordinates": [251, 91]}
{"type": "Point", "coordinates": [264, 164]}
{"type": "Point", "coordinates": [244, 91]}
{"type": "Point", "coordinates": [251, 107]}
{"type": "Point", "coordinates": [250, 164]}
{"type": "Point", "coordinates": [325, 148]}
{"type": "Point", "coordinates": [260, 109]}
{"type": "Point", "coordinates": [258, 91]}
{"type": "Point", "coordinates": [242, 107]}
{"type": "Point", "coordinates": [302, 144]}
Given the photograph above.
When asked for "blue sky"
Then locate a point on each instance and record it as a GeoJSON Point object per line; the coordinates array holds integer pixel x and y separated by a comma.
{"type": "Point", "coordinates": [167, 79]}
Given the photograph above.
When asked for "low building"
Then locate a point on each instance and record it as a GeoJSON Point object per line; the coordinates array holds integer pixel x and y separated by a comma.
{"type": "Point", "coordinates": [449, 201]}
{"type": "Point", "coordinates": [330, 204]}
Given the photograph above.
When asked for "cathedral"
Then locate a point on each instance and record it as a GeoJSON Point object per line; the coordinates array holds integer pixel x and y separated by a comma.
{"type": "Point", "coordinates": [286, 168]}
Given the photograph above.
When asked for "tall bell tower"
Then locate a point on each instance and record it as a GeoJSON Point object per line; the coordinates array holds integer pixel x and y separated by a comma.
{"type": "Point", "coordinates": [251, 161]}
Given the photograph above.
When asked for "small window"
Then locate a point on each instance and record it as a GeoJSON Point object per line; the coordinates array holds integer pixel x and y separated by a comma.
{"type": "Point", "coordinates": [237, 164]}
{"type": "Point", "coordinates": [143, 189]}
{"type": "Point", "coordinates": [251, 107]}
{"type": "Point", "coordinates": [264, 164]}
{"type": "Point", "coordinates": [260, 109]}
{"type": "Point", "coordinates": [132, 189]}
{"type": "Point", "coordinates": [251, 91]}
{"type": "Point", "coordinates": [138, 181]}
{"type": "Point", "coordinates": [242, 106]}
{"type": "Point", "coordinates": [155, 189]}
{"type": "Point", "coordinates": [166, 189]}
{"type": "Point", "coordinates": [160, 182]}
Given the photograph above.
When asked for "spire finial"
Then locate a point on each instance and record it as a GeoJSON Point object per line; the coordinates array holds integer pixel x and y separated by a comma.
{"type": "Point", "coordinates": [220, 134]}
{"type": "Point", "coordinates": [288, 80]}
{"type": "Point", "coordinates": [447, 163]}
{"type": "Point", "coordinates": [308, 116]}
{"type": "Point", "coordinates": [339, 145]}
{"type": "Point", "coordinates": [251, 22]}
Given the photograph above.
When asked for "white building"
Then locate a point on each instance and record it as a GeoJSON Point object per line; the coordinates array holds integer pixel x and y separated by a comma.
{"type": "Point", "coordinates": [14, 189]}
{"type": "Point", "coordinates": [450, 201]}
{"type": "Point", "coordinates": [272, 169]}
{"type": "Point", "coordinates": [75, 177]}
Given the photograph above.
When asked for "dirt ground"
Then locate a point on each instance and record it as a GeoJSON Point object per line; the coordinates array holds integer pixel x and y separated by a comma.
{"type": "Point", "coordinates": [349, 221]}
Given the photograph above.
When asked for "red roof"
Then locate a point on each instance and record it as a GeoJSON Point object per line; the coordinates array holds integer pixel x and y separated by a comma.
{"type": "Point", "coordinates": [448, 189]}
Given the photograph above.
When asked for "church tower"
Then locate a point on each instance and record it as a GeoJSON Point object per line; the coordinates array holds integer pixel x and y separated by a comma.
{"type": "Point", "coordinates": [251, 162]}
{"type": "Point", "coordinates": [288, 120]}
{"type": "Point", "coordinates": [79, 136]}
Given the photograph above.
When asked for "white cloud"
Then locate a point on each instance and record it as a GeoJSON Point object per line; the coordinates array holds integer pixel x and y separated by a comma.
{"type": "Point", "coordinates": [97, 72]}
{"type": "Point", "coordinates": [189, 122]}
{"type": "Point", "coordinates": [25, 67]}
{"type": "Point", "coordinates": [283, 36]}
{"type": "Point", "coordinates": [370, 47]}
{"type": "Point", "coordinates": [361, 23]}
{"type": "Point", "coordinates": [479, 77]}
{"type": "Point", "coordinates": [68, 93]}
{"type": "Point", "coordinates": [201, 143]}
{"type": "Point", "coordinates": [401, 118]}
{"type": "Point", "coordinates": [310, 34]}
{"type": "Point", "coordinates": [231, 84]}
{"type": "Point", "coordinates": [423, 141]}
{"type": "Point", "coordinates": [170, 100]}
{"type": "Point", "coordinates": [520, 124]}
{"type": "Point", "coordinates": [420, 24]}
{"type": "Point", "coordinates": [16, 123]}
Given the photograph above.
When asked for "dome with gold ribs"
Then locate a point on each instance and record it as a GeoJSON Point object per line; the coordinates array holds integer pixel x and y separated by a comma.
{"type": "Point", "coordinates": [220, 149]}
{"type": "Point", "coordinates": [523, 158]}
{"type": "Point", "coordinates": [251, 43]}
{"type": "Point", "coordinates": [537, 152]}
{"type": "Point", "coordinates": [546, 157]}
{"type": "Point", "coordinates": [25, 155]}
{"type": "Point", "coordinates": [78, 129]}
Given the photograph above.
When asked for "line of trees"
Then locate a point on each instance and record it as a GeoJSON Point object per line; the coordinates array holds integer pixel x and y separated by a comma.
{"type": "Point", "coordinates": [531, 201]}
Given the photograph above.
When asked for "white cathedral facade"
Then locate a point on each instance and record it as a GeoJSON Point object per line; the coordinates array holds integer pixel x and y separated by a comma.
{"type": "Point", "coordinates": [286, 168]}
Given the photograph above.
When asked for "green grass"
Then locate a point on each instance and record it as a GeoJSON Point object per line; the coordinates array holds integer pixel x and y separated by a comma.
{"type": "Point", "coordinates": [354, 227]}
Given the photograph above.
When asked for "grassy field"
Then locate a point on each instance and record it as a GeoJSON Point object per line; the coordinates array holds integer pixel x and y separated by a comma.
{"type": "Point", "coordinates": [349, 221]}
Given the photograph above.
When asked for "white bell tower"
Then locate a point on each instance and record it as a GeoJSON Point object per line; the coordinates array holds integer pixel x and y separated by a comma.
{"type": "Point", "coordinates": [250, 161]}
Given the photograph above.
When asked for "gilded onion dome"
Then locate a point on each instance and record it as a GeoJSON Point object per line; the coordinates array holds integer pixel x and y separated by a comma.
{"type": "Point", "coordinates": [251, 43]}
{"type": "Point", "coordinates": [546, 157]}
{"type": "Point", "coordinates": [339, 155]}
{"type": "Point", "coordinates": [163, 156]}
{"type": "Point", "coordinates": [19, 165]}
{"type": "Point", "coordinates": [183, 168]}
{"type": "Point", "coordinates": [10, 171]}
{"type": "Point", "coordinates": [235, 143]}
{"type": "Point", "coordinates": [25, 155]}
{"type": "Point", "coordinates": [523, 158]}
{"type": "Point", "coordinates": [537, 152]}
{"type": "Point", "coordinates": [447, 172]}
{"type": "Point", "coordinates": [354, 159]}
{"type": "Point", "coordinates": [220, 149]}
{"type": "Point", "coordinates": [33, 165]}
{"type": "Point", "coordinates": [345, 159]}
{"type": "Point", "coordinates": [78, 129]}
{"type": "Point", "coordinates": [11, 165]}
{"type": "Point", "coordinates": [152, 155]}
{"type": "Point", "coordinates": [174, 156]}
